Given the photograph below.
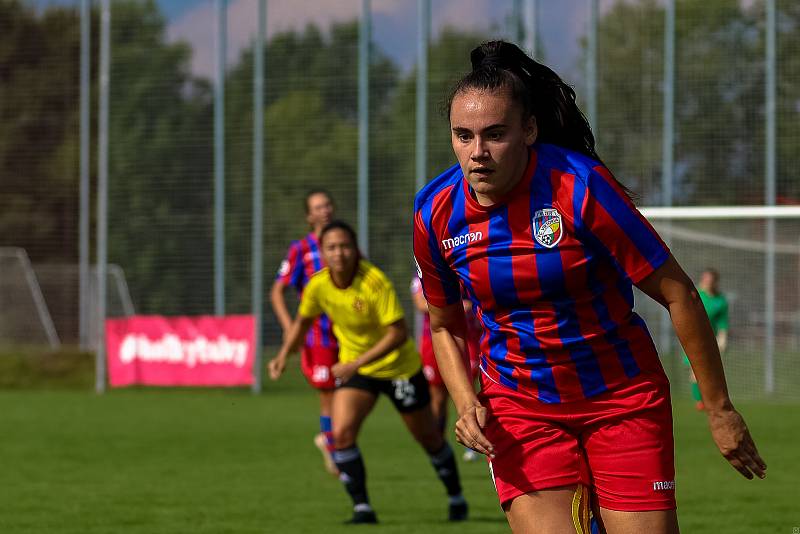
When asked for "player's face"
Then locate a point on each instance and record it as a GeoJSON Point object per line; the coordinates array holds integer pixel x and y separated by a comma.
{"type": "Point", "coordinates": [320, 210]}
{"type": "Point", "coordinates": [490, 140]}
{"type": "Point", "coordinates": [339, 251]}
{"type": "Point", "coordinates": [708, 282]}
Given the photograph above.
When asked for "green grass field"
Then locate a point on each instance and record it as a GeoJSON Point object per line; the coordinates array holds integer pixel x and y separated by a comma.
{"type": "Point", "coordinates": [174, 461]}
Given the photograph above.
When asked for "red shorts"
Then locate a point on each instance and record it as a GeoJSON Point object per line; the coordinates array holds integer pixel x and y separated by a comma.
{"type": "Point", "coordinates": [316, 363]}
{"type": "Point", "coordinates": [619, 443]}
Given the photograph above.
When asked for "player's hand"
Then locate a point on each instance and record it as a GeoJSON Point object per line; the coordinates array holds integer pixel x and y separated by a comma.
{"type": "Point", "coordinates": [469, 429]}
{"type": "Point", "coordinates": [344, 371]}
{"type": "Point", "coordinates": [276, 367]}
{"type": "Point", "coordinates": [734, 442]}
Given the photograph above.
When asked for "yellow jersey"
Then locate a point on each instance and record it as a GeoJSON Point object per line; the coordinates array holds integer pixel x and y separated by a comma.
{"type": "Point", "coordinates": [360, 314]}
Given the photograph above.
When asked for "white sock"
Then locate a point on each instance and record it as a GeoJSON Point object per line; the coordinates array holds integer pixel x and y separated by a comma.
{"type": "Point", "coordinates": [363, 507]}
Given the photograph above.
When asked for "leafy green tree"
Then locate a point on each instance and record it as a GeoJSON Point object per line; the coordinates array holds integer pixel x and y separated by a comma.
{"type": "Point", "coordinates": [39, 84]}
{"type": "Point", "coordinates": [160, 161]}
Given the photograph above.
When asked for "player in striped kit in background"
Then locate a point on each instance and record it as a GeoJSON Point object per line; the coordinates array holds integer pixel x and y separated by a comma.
{"type": "Point", "coordinates": [547, 244]}
{"type": "Point", "coordinates": [320, 351]}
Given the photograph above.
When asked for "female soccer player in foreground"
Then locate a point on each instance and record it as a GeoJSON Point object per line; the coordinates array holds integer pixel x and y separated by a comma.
{"type": "Point", "coordinates": [547, 245]}
{"type": "Point", "coordinates": [320, 350]}
{"type": "Point", "coordinates": [376, 356]}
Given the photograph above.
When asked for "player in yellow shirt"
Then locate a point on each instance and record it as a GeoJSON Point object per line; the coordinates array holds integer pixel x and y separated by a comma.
{"type": "Point", "coordinates": [376, 356]}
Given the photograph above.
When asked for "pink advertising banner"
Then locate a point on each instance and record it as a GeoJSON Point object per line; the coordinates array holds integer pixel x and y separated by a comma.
{"type": "Point", "coordinates": [181, 351]}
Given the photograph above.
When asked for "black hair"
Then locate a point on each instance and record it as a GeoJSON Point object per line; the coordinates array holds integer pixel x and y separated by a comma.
{"type": "Point", "coordinates": [311, 193]}
{"type": "Point", "coordinates": [540, 91]}
{"type": "Point", "coordinates": [339, 225]}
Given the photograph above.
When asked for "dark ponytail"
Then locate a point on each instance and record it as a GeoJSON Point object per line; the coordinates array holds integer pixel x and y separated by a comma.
{"type": "Point", "coordinates": [540, 91]}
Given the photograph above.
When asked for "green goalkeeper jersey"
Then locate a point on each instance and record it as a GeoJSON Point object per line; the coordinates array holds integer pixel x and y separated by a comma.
{"type": "Point", "coordinates": [717, 309]}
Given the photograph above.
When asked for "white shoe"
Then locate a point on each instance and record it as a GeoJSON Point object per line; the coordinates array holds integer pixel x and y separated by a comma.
{"type": "Point", "coordinates": [322, 444]}
{"type": "Point", "coordinates": [470, 455]}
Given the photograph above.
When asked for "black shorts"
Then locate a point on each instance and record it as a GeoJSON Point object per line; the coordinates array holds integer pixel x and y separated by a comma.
{"type": "Point", "coordinates": [408, 395]}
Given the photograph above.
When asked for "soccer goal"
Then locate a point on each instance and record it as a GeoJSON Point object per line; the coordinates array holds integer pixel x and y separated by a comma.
{"type": "Point", "coordinates": [756, 251]}
{"type": "Point", "coordinates": [24, 317]}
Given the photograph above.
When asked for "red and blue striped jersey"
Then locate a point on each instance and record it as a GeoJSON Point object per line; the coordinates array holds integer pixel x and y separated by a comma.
{"type": "Point", "coordinates": [549, 272]}
{"type": "Point", "coordinates": [303, 260]}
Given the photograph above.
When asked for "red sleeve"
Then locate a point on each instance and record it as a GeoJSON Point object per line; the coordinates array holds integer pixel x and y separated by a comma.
{"type": "Point", "coordinates": [291, 269]}
{"type": "Point", "coordinates": [619, 229]}
{"type": "Point", "coordinates": [439, 283]}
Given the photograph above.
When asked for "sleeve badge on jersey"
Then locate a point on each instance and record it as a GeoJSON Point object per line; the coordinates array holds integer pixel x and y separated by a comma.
{"type": "Point", "coordinates": [547, 227]}
{"type": "Point", "coordinates": [284, 268]}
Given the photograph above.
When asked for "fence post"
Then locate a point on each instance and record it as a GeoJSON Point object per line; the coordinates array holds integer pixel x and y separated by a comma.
{"type": "Point", "coordinates": [219, 158]}
{"type": "Point", "coordinates": [102, 191]}
{"type": "Point", "coordinates": [257, 285]}
{"type": "Point", "coordinates": [770, 197]}
{"type": "Point", "coordinates": [363, 127]}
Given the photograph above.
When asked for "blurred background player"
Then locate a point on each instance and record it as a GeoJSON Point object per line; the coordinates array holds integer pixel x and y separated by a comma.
{"type": "Point", "coordinates": [438, 391]}
{"type": "Point", "coordinates": [376, 357]}
{"type": "Point", "coordinates": [320, 350]}
{"type": "Point", "coordinates": [716, 306]}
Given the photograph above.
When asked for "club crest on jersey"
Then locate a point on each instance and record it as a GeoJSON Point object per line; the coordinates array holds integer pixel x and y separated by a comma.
{"type": "Point", "coordinates": [547, 227]}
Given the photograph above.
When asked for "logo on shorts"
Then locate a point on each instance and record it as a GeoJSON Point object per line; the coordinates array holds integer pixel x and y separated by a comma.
{"type": "Point", "coordinates": [405, 392]}
{"type": "Point", "coordinates": [321, 373]}
{"type": "Point", "coordinates": [547, 227]}
{"type": "Point", "coordinates": [664, 485]}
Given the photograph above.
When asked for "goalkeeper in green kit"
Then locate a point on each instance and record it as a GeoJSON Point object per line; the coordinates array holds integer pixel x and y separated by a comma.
{"type": "Point", "coordinates": [716, 306]}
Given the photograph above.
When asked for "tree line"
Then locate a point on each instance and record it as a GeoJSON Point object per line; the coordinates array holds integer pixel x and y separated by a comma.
{"type": "Point", "coordinates": [161, 133]}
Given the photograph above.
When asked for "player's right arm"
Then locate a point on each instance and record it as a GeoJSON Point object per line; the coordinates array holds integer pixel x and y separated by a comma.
{"type": "Point", "coordinates": [449, 334]}
{"type": "Point", "coordinates": [308, 311]}
{"type": "Point", "coordinates": [288, 274]}
{"type": "Point", "coordinates": [279, 306]}
{"type": "Point", "coordinates": [291, 343]}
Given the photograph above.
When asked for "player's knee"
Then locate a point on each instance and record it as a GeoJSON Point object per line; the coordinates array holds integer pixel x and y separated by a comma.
{"type": "Point", "coordinates": [344, 437]}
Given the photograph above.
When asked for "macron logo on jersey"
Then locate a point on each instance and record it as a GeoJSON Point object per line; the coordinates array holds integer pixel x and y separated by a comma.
{"type": "Point", "coordinates": [453, 242]}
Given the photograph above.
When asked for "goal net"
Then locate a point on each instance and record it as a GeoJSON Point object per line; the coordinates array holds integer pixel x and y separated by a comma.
{"type": "Point", "coordinates": [24, 316]}
{"type": "Point", "coordinates": [40, 304]}
{"type": "Point", "coordinates": [756, 251]}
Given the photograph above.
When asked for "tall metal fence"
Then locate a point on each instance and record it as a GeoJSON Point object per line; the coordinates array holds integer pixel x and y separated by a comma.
{"type": "Point", "coordinates": [169, 172]}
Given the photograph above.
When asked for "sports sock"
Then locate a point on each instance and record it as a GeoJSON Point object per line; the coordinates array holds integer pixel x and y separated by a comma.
{"type": "Point", "coordinates": [352, 473]}
{"type": "Point", "coordinates": [696, 392]}
{"type": "Point", "coordinates": [326, 426]}
{"type": "Point", "coordinates": [444, 462]}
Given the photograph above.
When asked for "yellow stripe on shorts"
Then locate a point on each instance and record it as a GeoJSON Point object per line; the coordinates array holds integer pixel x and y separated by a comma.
{"type": "Point", "coordinates": [580, 510]}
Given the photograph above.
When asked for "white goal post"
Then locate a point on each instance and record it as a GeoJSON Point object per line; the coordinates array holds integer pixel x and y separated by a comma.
{"type": "Point", "coordinates": [756, 250]}
{"type": "Point", "coordinates": [24, 317]}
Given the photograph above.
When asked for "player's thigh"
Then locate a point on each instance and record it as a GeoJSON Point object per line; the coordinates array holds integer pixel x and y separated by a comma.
{"type": "Point", "coordinates": [656, 522]}
{"type": "Point", "coordinates": [548, 511]}
{"type": "Point", "coordinates": [630, 448]}
{"type": "Point", "coordinates": [350, 407]}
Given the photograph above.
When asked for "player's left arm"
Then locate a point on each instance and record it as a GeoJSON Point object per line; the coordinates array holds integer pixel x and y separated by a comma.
{"type": "Point", "coordinates": [672, 288]}
{"type": "Point", "coordinates": [396, 334]}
